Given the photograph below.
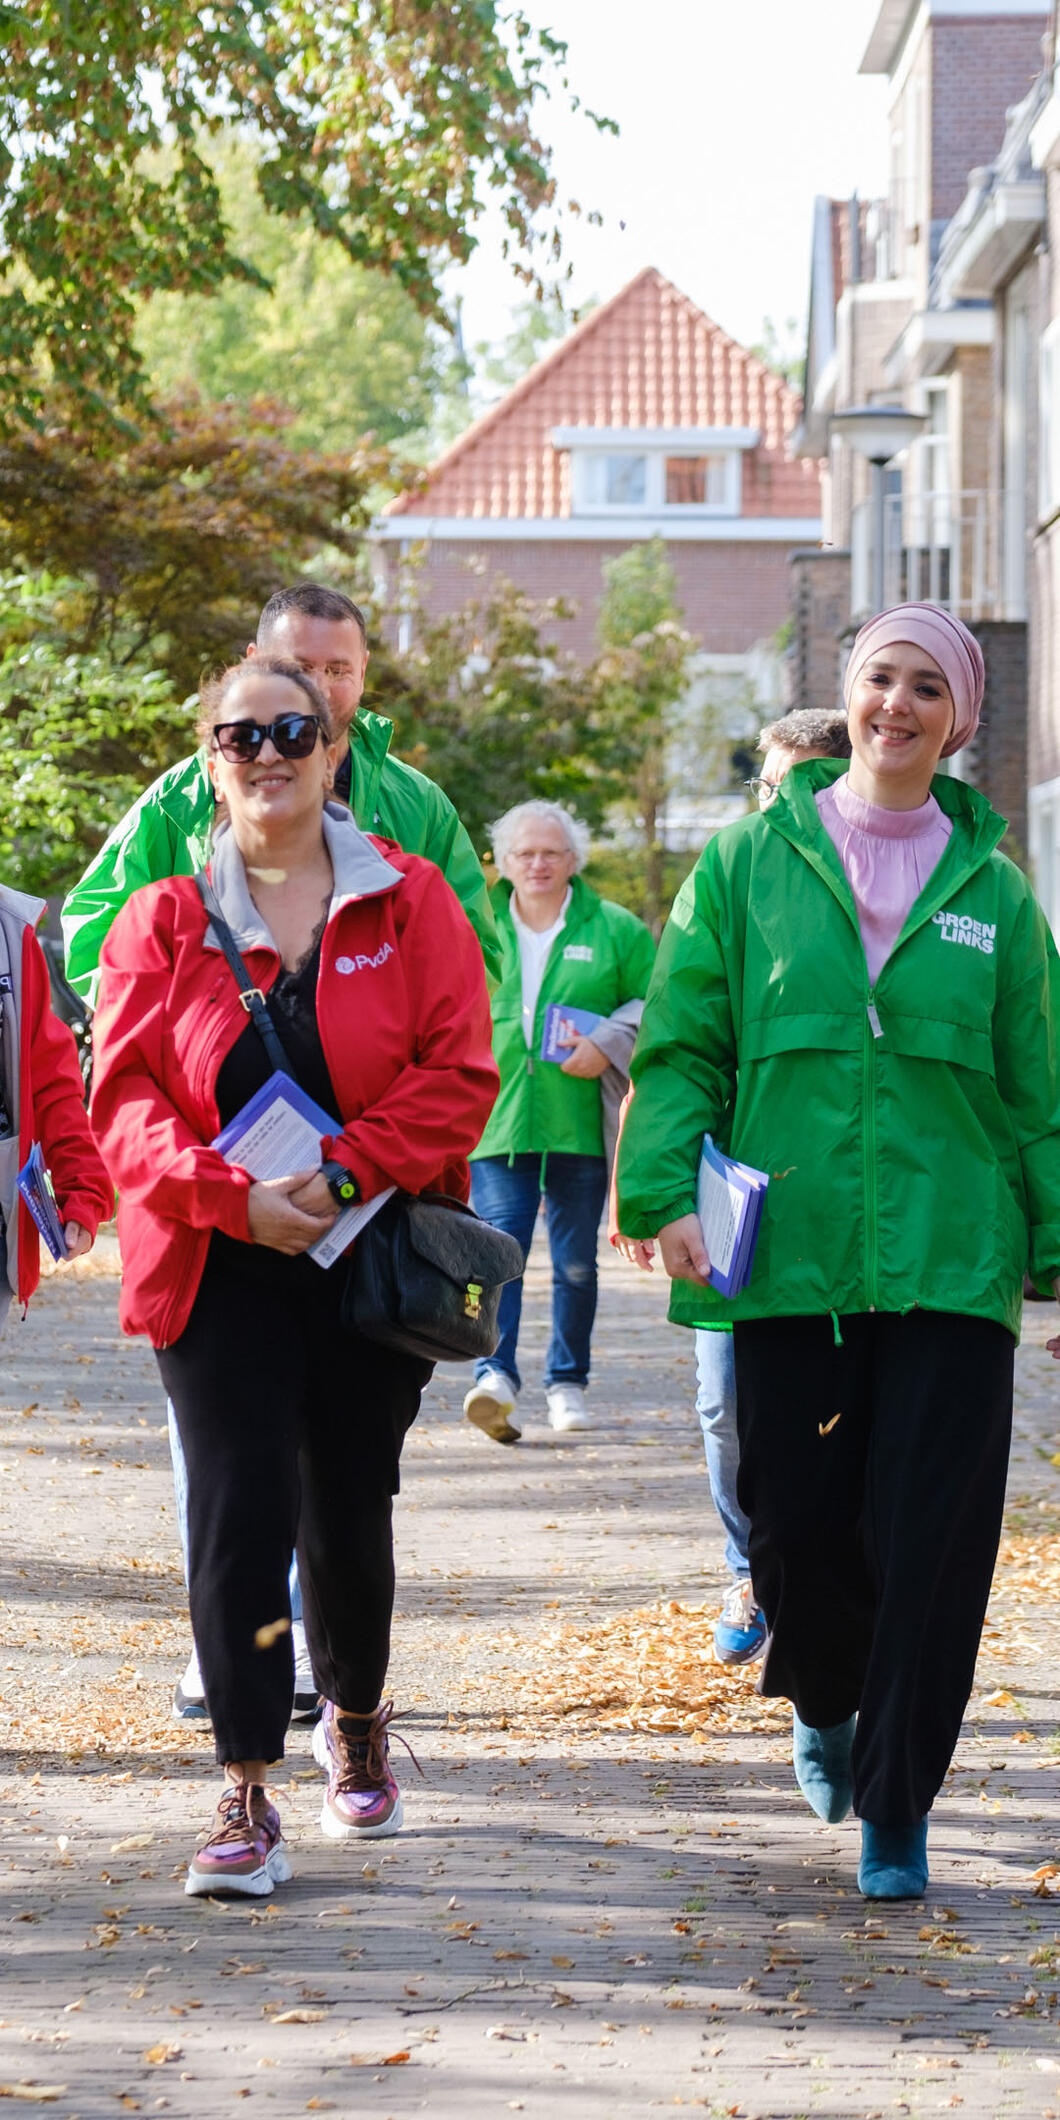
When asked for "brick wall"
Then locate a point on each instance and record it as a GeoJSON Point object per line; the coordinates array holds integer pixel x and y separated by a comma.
{"type": "Point", "coordinates": [820, 616]}
{"type": "Point", "coordinates": [980, 65]}
{"type": "Point", "coordinates": [997, 760]}
{"type": "Point", "coordinates": [732, 595]}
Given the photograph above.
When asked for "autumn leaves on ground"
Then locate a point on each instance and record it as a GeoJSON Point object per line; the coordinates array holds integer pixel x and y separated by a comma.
{"type": "Point", "coordinates": [608, 1896]}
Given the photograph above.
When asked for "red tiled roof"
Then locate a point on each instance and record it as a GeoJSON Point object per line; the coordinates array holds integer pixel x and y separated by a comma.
{"type": "Point", "coordinates": [648, 358]}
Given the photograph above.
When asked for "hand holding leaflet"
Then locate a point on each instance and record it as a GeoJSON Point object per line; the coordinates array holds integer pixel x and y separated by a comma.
{"type": "Point", "coordinates": [35, 1186]}
{"type": "Point", "coordinates": [729, 1198]}
{"type": "Point", "coordinates": [563, 1027]}
{"type": "Point", "coordinates": [279, 1130]}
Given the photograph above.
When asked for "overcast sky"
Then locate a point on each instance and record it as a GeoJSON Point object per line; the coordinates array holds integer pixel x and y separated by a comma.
{"type": "Point", "coordinates": [733, 115]}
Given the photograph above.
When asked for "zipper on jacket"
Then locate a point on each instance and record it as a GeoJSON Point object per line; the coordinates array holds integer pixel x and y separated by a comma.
{"type": "Point", "coordinates": [875, 1030]}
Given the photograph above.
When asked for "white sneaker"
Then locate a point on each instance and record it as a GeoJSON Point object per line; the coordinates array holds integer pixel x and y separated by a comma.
{"type": "Point", "coordinates": [567, 1408]}
{"type": "Point", "coordinates": [488, 1404]}
{"type": "Point", "coordinates": [306, 1691]}
{"type": "Point", "coordinates": [189, 1699]}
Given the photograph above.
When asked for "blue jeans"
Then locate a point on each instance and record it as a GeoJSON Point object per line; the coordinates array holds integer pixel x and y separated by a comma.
{"type": "Point", "coordinates": [180, 1489]}
{"type": "Point", "coordinates": [716, 1407]}
{"type": "Point", "coordinates": [575, 1189]}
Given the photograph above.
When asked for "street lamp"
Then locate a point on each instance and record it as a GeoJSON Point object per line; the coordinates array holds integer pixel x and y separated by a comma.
{"type": "Point", "coordinates": [880, 433]}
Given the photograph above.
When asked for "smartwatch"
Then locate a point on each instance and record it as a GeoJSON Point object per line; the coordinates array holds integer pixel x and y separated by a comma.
{"type": "Point", "coordinates": [341, 1184]}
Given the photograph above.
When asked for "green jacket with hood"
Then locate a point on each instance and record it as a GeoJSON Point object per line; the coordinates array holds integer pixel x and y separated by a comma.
{"type": "Point", "coordinates": [911, 1131]}
{"type": "Point", "coordinates": [167, 833]}
{"type": "Point", "coordinates": [601, 958]}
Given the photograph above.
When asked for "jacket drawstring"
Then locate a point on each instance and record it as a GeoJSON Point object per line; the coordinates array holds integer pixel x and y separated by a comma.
{"type": "Point", "coordinates": [837, 1337]}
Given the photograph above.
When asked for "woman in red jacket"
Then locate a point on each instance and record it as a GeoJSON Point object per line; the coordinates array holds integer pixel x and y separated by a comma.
{"type": "Point", "coordinates": [292, 1429]}
{"type": "Point", "coordinates": [41, 1099]}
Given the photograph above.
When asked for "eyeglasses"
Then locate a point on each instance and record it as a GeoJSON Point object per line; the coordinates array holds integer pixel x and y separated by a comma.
{"type": "Point", "coordinates": [293, 736]}
{"type": "Point", "coordinates": [760, 786]}
{"type": "Point", "coordinates": [542, 854]}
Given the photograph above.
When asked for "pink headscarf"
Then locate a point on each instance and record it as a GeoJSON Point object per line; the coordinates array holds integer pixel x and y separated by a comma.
{"type": "Point", "coordinates": [949, 644]}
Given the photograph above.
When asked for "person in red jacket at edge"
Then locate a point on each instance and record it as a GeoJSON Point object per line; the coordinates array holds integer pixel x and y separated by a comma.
{"type": "Point", "coordinates": [292, 1427]}
{"type": "Point", "coordinates": [41, 1099]}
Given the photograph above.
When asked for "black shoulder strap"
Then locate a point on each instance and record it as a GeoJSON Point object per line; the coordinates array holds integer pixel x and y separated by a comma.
{"type": "Point", "coordinates": [251, 996]}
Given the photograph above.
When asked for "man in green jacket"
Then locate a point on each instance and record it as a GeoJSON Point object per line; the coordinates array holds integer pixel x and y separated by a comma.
{"type": "Point", "coordinates": [167, 832]}
{"type": "Point", "coordinates": [560, 944]}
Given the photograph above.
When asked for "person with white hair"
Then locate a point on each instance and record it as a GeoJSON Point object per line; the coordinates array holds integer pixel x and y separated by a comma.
{"type": "Point", "coordinates": [560, 944]}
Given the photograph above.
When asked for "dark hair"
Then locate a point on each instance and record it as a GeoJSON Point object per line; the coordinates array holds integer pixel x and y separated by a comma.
{"type": "Point", "coordinates": [214, 691]}
{"type": "Point", "coordinates": [316, 602]}
{"type": "Point", "coordinates": [822, 729]}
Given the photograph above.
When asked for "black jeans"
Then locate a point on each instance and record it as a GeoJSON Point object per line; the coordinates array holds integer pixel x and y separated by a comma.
{"type": "Point", "coordinates": [873, 1473]}
{"type": "Point", "coordinates": [292, 1431]}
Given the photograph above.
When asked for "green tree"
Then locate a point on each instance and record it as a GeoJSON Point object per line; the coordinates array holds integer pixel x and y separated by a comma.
{"type": "Point", "coordinates": [782, 347]}
{"type": "Point", "coordinates": [639, 679]}
{"type": "Point", "coordinates": [81, 733]}
{"type": "Point", "coordinates": [387, 123]}
{"type": "Point", "coordinates": [485, 706]}
{"type": "Point", "coordinates": [178, 538]}
{"type": "Point", "coordinates": [343, 346]}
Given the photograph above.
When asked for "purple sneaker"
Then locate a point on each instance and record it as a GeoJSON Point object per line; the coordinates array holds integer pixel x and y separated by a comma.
{"type": "Point", "coordinates": [362, 1800]}
{"type": "Point", "coordinates": [242, 1852]}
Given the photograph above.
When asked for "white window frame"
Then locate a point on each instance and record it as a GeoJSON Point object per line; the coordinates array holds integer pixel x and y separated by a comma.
{"type": "Point", "coordinates": [1043, 820]}
{"type": "Point", "coordinates": [1049, 422]}
{"type": "Point", "coordinates": [655, 502]}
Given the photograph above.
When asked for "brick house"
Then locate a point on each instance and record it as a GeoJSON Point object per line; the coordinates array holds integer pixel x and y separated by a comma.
{"type": "Point", "coordinates": [927, 300]}
{"type": "Point", "coordinates": [1043, 735]}
{"type": "Point", "coordinates": [648, 420]}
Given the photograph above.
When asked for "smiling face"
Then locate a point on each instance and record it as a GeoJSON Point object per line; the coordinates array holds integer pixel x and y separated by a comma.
{"type": "Point", "coordinates": [331, 651]}
{"type": "Point", "coordinates": [540, 862]}
{"type": "Point", "coordinates": [269, 792]}
{"type": "Point", "coordinates": [900, 715]}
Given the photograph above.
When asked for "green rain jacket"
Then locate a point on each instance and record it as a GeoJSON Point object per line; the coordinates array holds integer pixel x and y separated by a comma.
{"type": "Point", "coordinates": [167, 833]}
{"type": "Point", "coordinates": [601, 958]}
{"type": "Point", "coordinates": [911, 1131]}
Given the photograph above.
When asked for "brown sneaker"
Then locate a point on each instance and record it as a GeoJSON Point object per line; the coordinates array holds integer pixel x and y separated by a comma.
{"type": "Point", "coordinates": [362, 1800]}
{"type": "Point", "coordinates": [242, 1852]}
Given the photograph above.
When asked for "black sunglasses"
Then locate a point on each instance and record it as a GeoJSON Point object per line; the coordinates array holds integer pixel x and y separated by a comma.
{"type": "Point", "coordinates": [293, 736]}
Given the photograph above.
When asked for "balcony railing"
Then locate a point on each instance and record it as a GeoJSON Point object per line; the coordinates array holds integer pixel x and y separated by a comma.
{"type": "Point", "coordinates": [962, 550]}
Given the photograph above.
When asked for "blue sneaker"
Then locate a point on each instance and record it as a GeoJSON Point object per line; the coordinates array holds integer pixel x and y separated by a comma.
{"type": "Point", "coordinates": [740, 1629]}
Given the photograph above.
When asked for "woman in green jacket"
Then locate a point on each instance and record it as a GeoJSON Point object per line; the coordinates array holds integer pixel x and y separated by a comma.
{"type": "Point", "coordinates": [561, 944]}
{"type": "Point", "coordinates": [858, 994]}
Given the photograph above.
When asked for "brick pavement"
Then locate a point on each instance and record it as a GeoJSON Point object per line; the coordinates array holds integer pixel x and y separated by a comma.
{"type": "Point", "coordinates": [594, 1927]}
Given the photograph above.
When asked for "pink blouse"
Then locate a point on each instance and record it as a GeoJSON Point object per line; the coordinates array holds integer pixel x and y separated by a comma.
{"type": "Point", "coordinates": [887, 855]}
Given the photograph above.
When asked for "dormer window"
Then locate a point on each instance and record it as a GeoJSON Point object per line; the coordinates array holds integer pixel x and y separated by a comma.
{"type": "Point", "coordinates": [653, 471]}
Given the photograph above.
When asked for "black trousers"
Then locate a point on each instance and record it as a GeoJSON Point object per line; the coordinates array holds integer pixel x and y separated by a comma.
{"type": "Point", "coordinates": [292, 1432]}
{"type": "Point", "coordinates": [873, 1473]}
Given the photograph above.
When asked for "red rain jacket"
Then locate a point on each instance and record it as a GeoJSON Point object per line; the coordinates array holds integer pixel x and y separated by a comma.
{"type": "Point", "coordinates": [404, 1021]}
{"type": "Point", "coordinates": [52, 1111]}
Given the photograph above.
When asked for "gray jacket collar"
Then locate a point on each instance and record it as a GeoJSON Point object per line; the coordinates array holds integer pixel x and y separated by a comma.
{"type": "Point", "coordinates": [360, 871]}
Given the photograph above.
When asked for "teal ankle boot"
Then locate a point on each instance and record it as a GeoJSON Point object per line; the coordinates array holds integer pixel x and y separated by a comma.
{"type": "Point", "coordinates": [821, 1759]}
{"type": "Point", "coordinates": [894, 1862]}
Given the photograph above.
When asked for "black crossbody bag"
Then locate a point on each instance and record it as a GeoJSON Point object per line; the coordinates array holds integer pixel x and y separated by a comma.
{"type": "Point", "coordinates": [425, 1274]}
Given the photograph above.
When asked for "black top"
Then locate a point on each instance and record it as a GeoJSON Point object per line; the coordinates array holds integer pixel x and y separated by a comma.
{"type": "Point", "coordinates": [344, 779]}
{"type": "Point", "coordinates": [292, 1005]}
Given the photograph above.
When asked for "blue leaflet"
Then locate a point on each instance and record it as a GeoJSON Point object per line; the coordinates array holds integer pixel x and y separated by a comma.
{"type": "Point", "coordinates": [35, 1185]}
{"type": "Point", "coordinates": [729, 1198]}
{"type": "Point", "coordinates": [560, 1022]}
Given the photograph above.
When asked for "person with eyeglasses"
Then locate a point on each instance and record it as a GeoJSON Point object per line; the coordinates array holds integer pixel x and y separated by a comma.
{"type": "Point", "coordinates": [858, 993]}
{"type": "Point", "coordinates": [167, 833]}
{"type": "Point", "coordinates": [553, 1127]}
{"type": "Point", "coordinates": [292, 1425]}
